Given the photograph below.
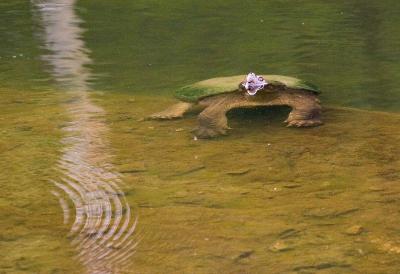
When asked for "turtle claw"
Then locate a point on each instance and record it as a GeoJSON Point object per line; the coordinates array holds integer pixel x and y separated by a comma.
{"type": "Point", "coordinates": [304, 123]}
{"type": "Point", "coordinates": [208, 132]}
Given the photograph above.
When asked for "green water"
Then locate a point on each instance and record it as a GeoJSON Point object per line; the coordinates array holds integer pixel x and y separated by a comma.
{"type": "Point", "coordinates": [76, 80]}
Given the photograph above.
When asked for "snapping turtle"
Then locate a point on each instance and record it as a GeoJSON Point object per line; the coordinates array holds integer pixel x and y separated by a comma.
{"type": "Point", "coordinates": [219, 95]}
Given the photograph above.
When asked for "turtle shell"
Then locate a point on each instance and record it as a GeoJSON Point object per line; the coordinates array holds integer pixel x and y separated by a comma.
{"type": "Point", "coordinates": [215, 86]}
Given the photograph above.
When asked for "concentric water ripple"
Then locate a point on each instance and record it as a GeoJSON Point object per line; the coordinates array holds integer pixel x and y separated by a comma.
{"type": "Point", "coordinates": [102, 222]}
{"type": "Point", "coordinates": [103, 225]}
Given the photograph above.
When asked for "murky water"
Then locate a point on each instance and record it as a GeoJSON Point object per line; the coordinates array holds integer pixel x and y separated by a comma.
{"type": "Point", "coordinates": [103, 225]}
{"type": "Point", "coordinates": [89, 187]}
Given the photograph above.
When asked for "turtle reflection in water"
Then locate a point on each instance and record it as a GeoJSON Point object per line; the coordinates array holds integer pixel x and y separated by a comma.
{"type": "Point", "coordinates": [219, 95]}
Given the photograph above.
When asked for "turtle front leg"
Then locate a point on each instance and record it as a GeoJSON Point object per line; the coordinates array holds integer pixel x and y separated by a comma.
{"type": "Point", "coordinates": [211, 125]}
{"type": "Point", "coordinates": [305, 116]}
{"type": "Point", "coordinates": [212, 121]}
{"type": "Point", "coordinates": [173, 112]}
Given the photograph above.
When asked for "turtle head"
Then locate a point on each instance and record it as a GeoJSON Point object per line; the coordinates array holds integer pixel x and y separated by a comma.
{"type": "Point", "coordinates": [252, 83]}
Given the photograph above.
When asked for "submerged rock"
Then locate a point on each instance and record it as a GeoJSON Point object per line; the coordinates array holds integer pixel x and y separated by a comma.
{"type": "Point", "coordinates": [280, 246]}
{"type": "Point", "coordinates": [288, 233]}
{"type": "Point", "coordinates": [244, 254]}
{"type": "Point", "coordinates": [354, 230]}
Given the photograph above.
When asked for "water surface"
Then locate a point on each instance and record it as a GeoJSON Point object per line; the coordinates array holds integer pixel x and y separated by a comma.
{"type": "Point", "coordinates": [88, 186]}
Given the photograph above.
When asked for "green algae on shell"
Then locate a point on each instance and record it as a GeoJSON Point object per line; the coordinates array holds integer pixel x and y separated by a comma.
{"type": "Point", "coordinates": [214, 86]}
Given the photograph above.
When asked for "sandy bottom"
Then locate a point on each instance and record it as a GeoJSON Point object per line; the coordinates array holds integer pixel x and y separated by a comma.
{"type": "Point", "coordinates": [265, 199]}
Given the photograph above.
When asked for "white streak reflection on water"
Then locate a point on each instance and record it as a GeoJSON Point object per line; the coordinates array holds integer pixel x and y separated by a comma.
{"type": "Point", "coordinates": [104, 224]}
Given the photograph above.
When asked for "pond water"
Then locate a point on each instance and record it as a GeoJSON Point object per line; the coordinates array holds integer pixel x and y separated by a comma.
{"type": "Point", "coordinates": [89, 186]}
